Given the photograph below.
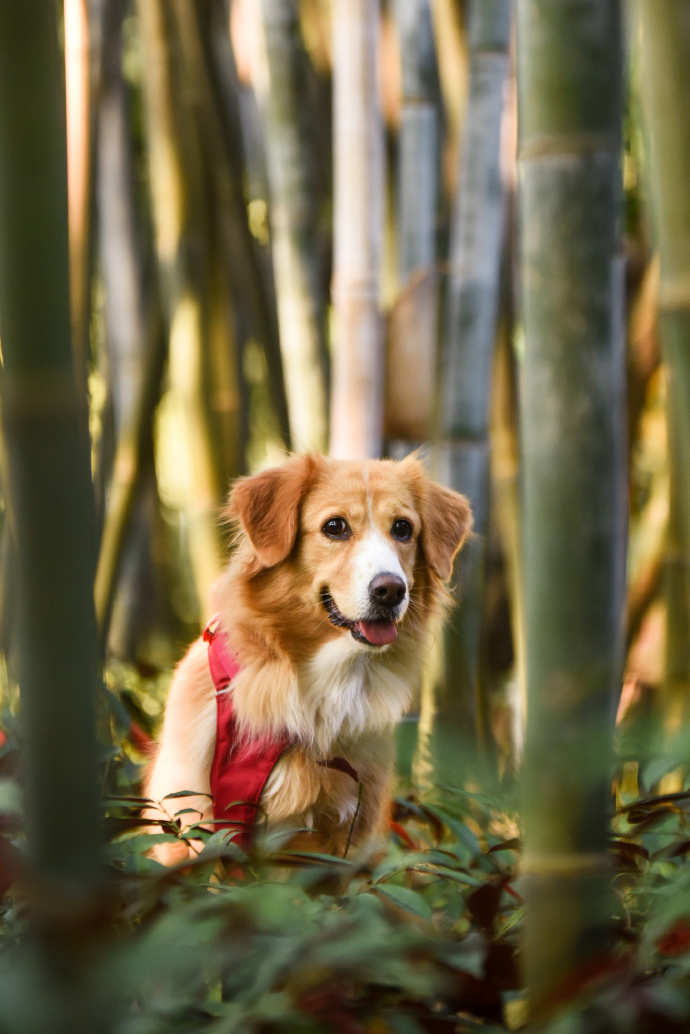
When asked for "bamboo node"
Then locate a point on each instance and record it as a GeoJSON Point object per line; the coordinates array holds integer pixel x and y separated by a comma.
{"type": "Point", "coordinates": [565, 865]}
{"type": "Point", "coordinates": [542, 145]}
{"type": "Point", "coordinates": [39, 394]}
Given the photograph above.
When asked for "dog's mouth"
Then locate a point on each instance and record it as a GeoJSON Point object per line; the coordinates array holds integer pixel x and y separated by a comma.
{"type": "Point", "coordinates": [376, 631]}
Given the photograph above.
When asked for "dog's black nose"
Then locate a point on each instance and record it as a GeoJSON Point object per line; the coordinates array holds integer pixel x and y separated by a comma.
{"type": "Point", "coordinates": [387, 589]}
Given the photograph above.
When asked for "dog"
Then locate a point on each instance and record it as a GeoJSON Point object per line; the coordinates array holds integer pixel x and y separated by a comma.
{"type": "Point", "coordinates": [336, 583]}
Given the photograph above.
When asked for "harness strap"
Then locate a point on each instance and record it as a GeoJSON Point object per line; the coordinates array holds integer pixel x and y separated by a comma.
{"type": "Point", "coordinates": [241, 767]}
{"type": "Point", "coordinates": [224, 665]}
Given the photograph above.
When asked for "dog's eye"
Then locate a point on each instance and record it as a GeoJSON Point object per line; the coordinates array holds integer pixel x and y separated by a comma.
{"type": "Point", "coordinates": [401, 530]}
{"type": "Point", "coordinates": [336, 528]}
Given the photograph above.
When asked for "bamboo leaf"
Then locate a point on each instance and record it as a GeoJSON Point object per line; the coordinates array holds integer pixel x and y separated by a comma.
{"type": "Point", "coordinates": [408, 900]}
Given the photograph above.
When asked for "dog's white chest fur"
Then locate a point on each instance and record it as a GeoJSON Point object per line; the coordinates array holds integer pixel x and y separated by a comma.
{"type": "Point", "coordinates": [347, 701]}
{"type": "Point", "coordinates": [346, 690]}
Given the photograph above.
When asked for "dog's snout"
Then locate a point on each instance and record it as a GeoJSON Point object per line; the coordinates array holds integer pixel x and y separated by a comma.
{"type": "Point", "coordinates": [388, 589]}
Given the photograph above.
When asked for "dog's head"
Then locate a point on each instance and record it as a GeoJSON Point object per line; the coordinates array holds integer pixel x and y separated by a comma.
{"type": "Point", "coordinates": [349, 542]}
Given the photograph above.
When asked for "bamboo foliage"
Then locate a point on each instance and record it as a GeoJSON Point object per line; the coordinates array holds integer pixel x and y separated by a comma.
{"type": "Point", "coordinates": [469, 331]}
{"type": "Point", "coordinates": [49, 484]}
{"type": "Point", "coordinates": [357, 398]}
{"type": "Point", "coordinates": [574, 483]}
{"type": "Point", "coordinates": [293, 211]}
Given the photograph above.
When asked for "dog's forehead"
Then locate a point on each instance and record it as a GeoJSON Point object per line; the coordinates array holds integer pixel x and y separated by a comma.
{"type": "Point", "coordinates": [372, 488]}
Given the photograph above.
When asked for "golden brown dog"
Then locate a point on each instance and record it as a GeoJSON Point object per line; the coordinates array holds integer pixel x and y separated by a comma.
{"type": "Point", "coordinates": [327, 604]}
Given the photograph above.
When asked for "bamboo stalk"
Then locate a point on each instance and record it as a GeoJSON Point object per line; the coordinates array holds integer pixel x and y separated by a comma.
{"type": "Point", "coordinates": [244, 264]}
{"type": "Point", "coordinates": [8, 579]}
{"type": "Point", "coordinates": [175, 174]}
{"type": "Point", "coordinates": [358, 192]}
{"type": "Point", "coordinates": [574, 479]}
{"type": "Point", "coordinates": [234, 278]}
{"type": "Point", "coordinates": [411, 354]}
{"type": "Point", "coordinates": [79, 175]}
{"type": "Point", "coordinates": [469, 331]}
{"type": "Point", "coordinates": [677, 597]}
{"type": "Point", "coordinates": [119, 235]}
{"type": "Point", "coordinates": [134, 447]}
{"type": "Point", "coordinates": [301, 309]}
{"type": "Point", "coordinates": [505, 489]}
{"type": "Point", "coordinates": [450, 30]}
{"type": "Point", "coordinates": [136, 346]}
{"type": "Point", "coordinates": [664, 49]}
{"type": "Point", "coordinates": [49, 483]}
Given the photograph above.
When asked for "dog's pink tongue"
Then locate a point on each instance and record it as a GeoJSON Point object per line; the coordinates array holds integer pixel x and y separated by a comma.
{"type": "Point", "coordinates": [378, 633]}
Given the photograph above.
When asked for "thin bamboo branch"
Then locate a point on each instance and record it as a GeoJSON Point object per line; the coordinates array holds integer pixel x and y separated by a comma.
{"type": "Point", "coordinates": [357, 384]}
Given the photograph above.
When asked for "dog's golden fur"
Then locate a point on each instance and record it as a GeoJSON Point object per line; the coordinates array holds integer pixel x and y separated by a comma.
{"type": "Point", "coordinates": [333, 693]}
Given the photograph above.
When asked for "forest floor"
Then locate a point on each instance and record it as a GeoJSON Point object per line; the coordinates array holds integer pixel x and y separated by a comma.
{"type": "Point", "coordinates": [426, 938]}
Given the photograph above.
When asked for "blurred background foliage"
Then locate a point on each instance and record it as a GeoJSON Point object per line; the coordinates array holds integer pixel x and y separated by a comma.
{"type": "Point", "coordinates": [293, 225]}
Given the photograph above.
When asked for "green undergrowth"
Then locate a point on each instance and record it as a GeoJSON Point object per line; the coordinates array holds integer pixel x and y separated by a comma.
{"type": "Point", "coordinates": [422, 937]}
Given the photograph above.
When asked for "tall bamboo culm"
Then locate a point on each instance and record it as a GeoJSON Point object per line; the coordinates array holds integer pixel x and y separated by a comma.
{"type": "Point", "coordinates": [573, 466]}
{"type": "Point", "coordinates": [51, 498]}
{"type": "Point", "coordinates": [136, 354]}
{"type": "Point", "coordinates": [291, 167]}
{"type": "Point", "coordinates": [46, 440]}
{"type": "Point", "coordinates": [469, 332]}
{"type": "Point", "coordinates": [177, 200]}
{"type": "Point", "coordinates": [663, 45]}
{"type": "Point", "coordinates": [411, 352]}
{"type": "Point", "coordinates": [357, 394]}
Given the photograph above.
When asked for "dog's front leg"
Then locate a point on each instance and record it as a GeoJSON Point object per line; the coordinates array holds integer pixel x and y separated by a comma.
{"type": "Point", "coordinates": [183, 761]}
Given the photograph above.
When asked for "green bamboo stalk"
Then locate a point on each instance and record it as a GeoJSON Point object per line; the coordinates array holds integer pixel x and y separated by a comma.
{"type": "Point", "coordinates": [49, 483]}
{"type": "Point", "coordinates": [8, 579]}
{"type": "Point", "coordinates": [134, 449]}
{"type": "Point", "coordinates": [411, 353]}
{"type": "Point", "coordinates": [244, 264]}
{"type": "Point", "coordinates": [358, 198]}
{"type": "Point", "coordinates": [290, 154]}
{"type": "Point", "coordinates": [119, 234]}
{"type": "Point", "coordinates": [469, 332]}
{"type": "Point", "coordinates": [234, 281]}
{"type": "Point", "coordinates": [677, 596]}
{"type": "Point", "coordinates": [664, 50]}
{"type": "Point", "coordinates": [505, 489]}
{"type": "Point", "coordinates": [135, 342]}
{"type": "Point", "coordinates": [573, 463]}
{"type": "Point", "coordinates": [180, 222]}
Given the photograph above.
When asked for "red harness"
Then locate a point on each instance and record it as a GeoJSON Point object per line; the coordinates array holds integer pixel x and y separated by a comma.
{"type": "Point", "coordinates": [240, 767]}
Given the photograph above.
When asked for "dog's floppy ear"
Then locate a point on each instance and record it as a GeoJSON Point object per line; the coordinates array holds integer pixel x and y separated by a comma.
{"type": "Point", "coordinates": [446, 521]}
{"type": "Point", "coordinates": [267, 507]}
